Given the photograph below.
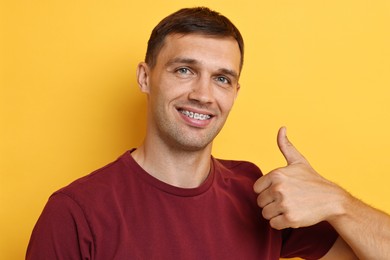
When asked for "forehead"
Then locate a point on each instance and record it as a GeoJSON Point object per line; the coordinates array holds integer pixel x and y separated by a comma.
{"type": "Point", "coordinates": [222, 51]}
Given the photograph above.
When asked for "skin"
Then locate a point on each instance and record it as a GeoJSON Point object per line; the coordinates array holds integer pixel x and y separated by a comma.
{"type": "Point", "coordinates": [193, 73]}
{"type": "Point", "coordinates": [199, 74]}
{"type": "Point", "coordinates": [297, 196]}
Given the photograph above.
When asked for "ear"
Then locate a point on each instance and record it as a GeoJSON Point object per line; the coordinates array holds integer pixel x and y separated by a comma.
{"type": "Point", "coordinates": [143, 77]}
{"type": "Point", "coordinates": [238, 90]}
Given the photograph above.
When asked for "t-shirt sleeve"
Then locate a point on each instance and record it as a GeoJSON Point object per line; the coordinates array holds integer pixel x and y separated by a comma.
{"type": "Point", "coordinates": [61, 232]}
{"type": "Point", "coordinates": [310, 242]}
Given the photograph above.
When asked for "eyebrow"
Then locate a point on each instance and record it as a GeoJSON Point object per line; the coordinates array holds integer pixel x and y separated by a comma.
{"type": "Point", "coordinates": [231, 73]}
{"type": "Point", "coordinates": [183, 60]}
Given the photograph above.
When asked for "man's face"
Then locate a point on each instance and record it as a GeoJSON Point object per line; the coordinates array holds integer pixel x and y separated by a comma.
{"type": "Point", "coordinates": [191, 89]}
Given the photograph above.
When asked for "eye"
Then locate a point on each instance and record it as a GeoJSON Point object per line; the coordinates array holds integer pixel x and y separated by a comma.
{"type": "Point", "coordinates": [183, 71]}
{"type": "Point", "coordinates": [223, 80]}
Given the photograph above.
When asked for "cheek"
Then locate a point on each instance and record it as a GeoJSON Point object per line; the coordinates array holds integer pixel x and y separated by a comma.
{"type": "Point", "coordinates": [162, 95]}
{"type": "Point", "coordinates": [169, 87]}
{"type": "Point", "coordinates": [226, 100]}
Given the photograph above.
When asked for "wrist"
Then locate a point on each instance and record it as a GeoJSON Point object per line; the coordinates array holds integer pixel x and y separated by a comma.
{"type": "Point", "coordinates": [340, 206]}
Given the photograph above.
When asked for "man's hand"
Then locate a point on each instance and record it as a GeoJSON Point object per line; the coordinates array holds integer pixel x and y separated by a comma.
{"type": "Point", "coordinates": [296, 195]}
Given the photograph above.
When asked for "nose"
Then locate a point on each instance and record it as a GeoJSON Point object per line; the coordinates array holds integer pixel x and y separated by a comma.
{"type": "Point", "coordinates": [202, 91]}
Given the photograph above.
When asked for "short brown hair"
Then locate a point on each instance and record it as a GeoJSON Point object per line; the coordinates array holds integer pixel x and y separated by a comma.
{"type": "Point", "coordinates": [197, 20]}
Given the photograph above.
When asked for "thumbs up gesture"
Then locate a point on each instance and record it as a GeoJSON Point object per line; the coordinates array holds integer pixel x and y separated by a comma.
{"type": "Point", "coordinates": [295, 195]}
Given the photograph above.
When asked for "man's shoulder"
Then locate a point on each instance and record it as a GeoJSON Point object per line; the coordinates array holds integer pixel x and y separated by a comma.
{"type": "Point", "coordinates": [99, 181]}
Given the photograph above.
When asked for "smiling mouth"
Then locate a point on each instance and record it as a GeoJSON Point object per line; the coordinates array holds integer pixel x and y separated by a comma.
{"type": "Point", "coordinates": [194, 115]}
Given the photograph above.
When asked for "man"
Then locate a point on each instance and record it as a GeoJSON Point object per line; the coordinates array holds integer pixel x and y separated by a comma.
{"type": "Point", "coordinates": [170, 199]}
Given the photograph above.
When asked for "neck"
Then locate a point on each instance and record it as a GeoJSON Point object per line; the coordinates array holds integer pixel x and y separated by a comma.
{"type": "Point", "coordinates": [184, 169]}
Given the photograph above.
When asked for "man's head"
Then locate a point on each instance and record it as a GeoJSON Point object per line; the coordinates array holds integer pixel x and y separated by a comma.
{"type": "Point", "coordinates": [199, 20]}
{"type": "Point", "coordinates": [191, 78]}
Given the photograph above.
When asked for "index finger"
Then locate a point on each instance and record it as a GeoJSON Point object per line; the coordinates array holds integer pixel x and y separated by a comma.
{"type": "Point", "coordinates": [262, 184]}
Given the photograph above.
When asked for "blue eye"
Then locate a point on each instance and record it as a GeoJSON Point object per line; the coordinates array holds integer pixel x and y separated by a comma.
{"type": "Point", "coordinates": [183, 70]}
{"type": "Point", "coordinates": [223, 80]}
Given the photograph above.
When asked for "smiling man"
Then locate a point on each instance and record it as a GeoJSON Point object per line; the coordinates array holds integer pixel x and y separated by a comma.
{"type": "Point", "coordinates": [191, 89]}
{"type": "Point", "coordinates": [170, 199]}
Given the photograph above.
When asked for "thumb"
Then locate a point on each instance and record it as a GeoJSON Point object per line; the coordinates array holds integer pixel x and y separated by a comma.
{"type": "Point", "coordinates": [290, 153]}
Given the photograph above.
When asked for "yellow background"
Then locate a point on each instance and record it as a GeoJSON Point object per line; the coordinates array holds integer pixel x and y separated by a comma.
{"type": "Point", "coordinates": [69, 101]}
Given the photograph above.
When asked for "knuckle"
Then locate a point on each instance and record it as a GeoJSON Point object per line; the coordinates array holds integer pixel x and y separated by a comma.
{"type": "Point", "coordinates": [278, 188]}
{"type": "Point", "coordinates": [275, 224]}
{"type": "Point", "coordinates": [277, 191]}
{"type": "Point", "coordinates": [265, 214]}
{"type": "Point", "coordinates": [260, 201]}
{"type": "Point", "coordinates": [292, 220]}
{"type": "Point", "coordinates": [277, 175]}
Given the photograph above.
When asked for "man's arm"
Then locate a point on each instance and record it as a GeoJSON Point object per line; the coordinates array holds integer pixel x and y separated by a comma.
{"type": "Point", "coordinates": [297, 196]}
{"type": "Point", "coordinates": [61, 232]}
{"type": "Point", "coordinates": [340, 250]}
{"type": "Point", "coordinates": [365, 229]}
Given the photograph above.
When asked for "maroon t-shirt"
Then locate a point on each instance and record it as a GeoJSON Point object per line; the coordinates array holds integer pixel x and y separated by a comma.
{"type": "Point", "coordinates": [122, 212]}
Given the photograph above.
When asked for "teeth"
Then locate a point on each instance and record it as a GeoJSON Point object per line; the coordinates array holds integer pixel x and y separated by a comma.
{"type": "Point", "coordinates": [195, 115]}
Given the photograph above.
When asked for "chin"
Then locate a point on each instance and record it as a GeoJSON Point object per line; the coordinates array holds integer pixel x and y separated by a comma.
{"type": "Point", "coordinates": [192, 147]}
{"type": "Point", "coordinates": [186, 145]}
